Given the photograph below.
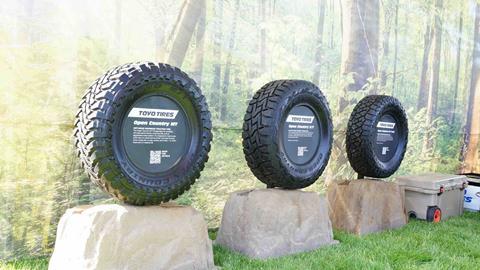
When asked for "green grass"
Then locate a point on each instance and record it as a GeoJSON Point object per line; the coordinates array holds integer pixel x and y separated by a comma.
{"type": "Point", "coordinates": [453, 244]}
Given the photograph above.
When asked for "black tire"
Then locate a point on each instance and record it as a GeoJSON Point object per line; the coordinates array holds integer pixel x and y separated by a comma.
{"type": "Point", "coordinates": [264, 147]}
{"type": "Point", "coordinates": [100, 126]}
{"type": "Point", "coordinates": [368, 144]}
{"type": "Point", "coordinates": [434, 214]}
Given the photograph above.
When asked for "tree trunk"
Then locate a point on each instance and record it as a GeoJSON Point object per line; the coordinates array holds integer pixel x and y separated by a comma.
{"type": "Point", "coordinates": [217, 54]}
{"type": "Point", "coordinates": [424, 80]}
{"type": "Point", "coordinates": [318, 50]}
{"type": "Point", "coordinates": [84, 191]}
{"type": "Point", "coordinates": [29, 21]}
{"type": "Point", "coordinates": [184, 32]}
{"type": "Point", "coordinates": [360, 43]}
{"type": "Point", "coordinates": [59, 199]}
{"type": "Point", "coordinates": [385, 46]}
{"type": "Point", "coordinates": [199, 47]}
{"type": "Point", "coordinates": [472, 126]}
{"type": "Point", "coordinates": [435, 75]}
{"type": "Point", "coordinates": [263, 36]}
{"type": "Point", "coordinates": [10, 230]}
{"type": "Point", "coordinates": [174, 30]}
{"type": "Point", "coordinates": [332, 24]}
{"type": "Point", "coordinates": [118, 28]}
{"type": "Point", "coordinates": [395, 55]}
{"type": "Point", "coordinates": [226, 75]}
{"type": "Point", "coordinates": [457, 69]}
{"type": "Point", "coordinates": [435, 72]}
{"type": "Point", "coordinates": [341, 18]}
{"type": "Point", "coordinates": [161, 42]}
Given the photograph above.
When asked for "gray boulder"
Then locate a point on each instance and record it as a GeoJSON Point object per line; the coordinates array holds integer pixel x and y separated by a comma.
{"type": "Point", "coordinates": [131, 237]}
{"type": "Point", "coordinates": [366, 206]}
{"type": "Point", "coordinates": [268, 223]}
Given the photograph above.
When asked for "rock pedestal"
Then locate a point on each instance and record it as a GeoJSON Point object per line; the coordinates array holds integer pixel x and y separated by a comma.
{"type": "Point", "coordinates": [366, 206]}
{"type": "Point", "coordinates": [129, 237]}
{"type": "Point", "coordinates": [267, 223]}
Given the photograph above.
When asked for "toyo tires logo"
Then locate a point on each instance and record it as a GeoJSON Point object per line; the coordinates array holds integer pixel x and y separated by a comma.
{"type": "Point", "coordinates": [153, 113]}
{"type": "Point", "coordinates": [304, 119]}
{"type": "Point", "coordinates": [385, 125]}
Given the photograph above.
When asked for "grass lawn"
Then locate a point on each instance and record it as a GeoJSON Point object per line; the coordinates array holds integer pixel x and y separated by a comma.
{"type": "Point", "coordinates": [453, 244]}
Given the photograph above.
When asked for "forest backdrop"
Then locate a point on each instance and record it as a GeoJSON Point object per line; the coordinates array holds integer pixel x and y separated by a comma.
{"type": "Point", "coordinates": [425, 53]}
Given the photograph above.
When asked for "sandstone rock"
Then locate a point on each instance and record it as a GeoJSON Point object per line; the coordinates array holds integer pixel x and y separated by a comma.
{"type": "Point", "coordinates": [131, 237]}
{"type": "Point", "coordinates": [366, 206]}
{"type": "Point", "coordinates": [268, 223]}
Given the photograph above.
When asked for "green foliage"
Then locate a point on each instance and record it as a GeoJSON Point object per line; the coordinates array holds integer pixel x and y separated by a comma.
{"type": "Point", "coordinates": [419, 158]}
{"type": "Point", "coordinates": [25, 264]}
{"type": "Point", "coordinates": [225, 172]}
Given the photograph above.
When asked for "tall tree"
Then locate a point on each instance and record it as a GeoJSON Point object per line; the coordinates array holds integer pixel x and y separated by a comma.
{"type": "Point", "coordinates": [159, 29]}
{"type": "Point", "coordinates": [395, 54]}
{"type": "Point", "coordinates": [360, 45]}
{"type": "Point", "coordinates": [387, 16]}
{"type": "Point", "coordinates": [457, 68]}
{"type": "Point", "coordinates": [332, 23]}
{"type": "Point", "coordinates": [263, 36]}
{"type": "Point", "coordinates": [60, 199]}
{"type": "Point", "coordinates": [360, 42]}
{"type": "Point", "coordinates": [472, 127]}
{"type": "Point", "coordinates": [199, 46]}
{"type": "Point", "coordinates": [228, 65]}
{"type": "Point", "coordinates": [156, 10]}
{"type": "Point", "coordinates": [84, 61]}
{"type": "Point", "coordinates": [28, 6]}
{"type": "Point", "coordinates": [118, 27]}
{"type": "Point", "coordinates": [217, 54]}
{"type": "Point", "coordinates": [435, 71]}
{"type": "Point", "coordinates": [341, 18]}
{"type": "Point", "coordinates": [318, 50]}
{"type": "Point", "coordinates": [424, 79]}
{"type": "Point", "coordinates": [189, 17]}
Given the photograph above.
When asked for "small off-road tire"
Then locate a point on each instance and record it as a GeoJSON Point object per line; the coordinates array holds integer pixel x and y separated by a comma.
{"type": "Point", "coordinates": [377, 136]}
{"type": "Point", "coordinates": [434, 214]}
{"type": "Point", "coordinates": [287, 134]}
{"type": "Point", "coordinates": [101, 127]}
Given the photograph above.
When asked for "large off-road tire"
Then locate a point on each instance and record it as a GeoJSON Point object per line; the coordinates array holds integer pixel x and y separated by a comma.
{"type": "Point", "coordinates": [287, 134]}
{"type": "Point", "coordinates": [143, 132]}
{"type": "Point", "coordinates": [377, 136]}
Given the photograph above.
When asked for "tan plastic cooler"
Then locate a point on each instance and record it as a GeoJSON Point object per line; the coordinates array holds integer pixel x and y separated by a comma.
{"type": "Point", "coordinates": [433, 197]}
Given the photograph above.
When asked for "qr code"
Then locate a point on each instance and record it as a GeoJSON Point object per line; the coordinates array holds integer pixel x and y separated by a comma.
{"type": "Point", "coordinates": [301, 150]}
{"type": "Point", "coordinates": [155, 157]}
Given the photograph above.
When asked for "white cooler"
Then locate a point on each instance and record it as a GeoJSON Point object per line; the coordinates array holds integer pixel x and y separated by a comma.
{"type": "Point", "coordinates": [433, 196]}
{"type": "Point", "coordinates": [472, 193]}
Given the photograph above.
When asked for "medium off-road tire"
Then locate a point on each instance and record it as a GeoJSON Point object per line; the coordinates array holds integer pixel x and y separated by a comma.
{"type": "Point", "coordinates": [265, 130]}
{"type": "Point", "coordinates": [99, 132]}
{"type": "Point", "coordinates": [377, 124]}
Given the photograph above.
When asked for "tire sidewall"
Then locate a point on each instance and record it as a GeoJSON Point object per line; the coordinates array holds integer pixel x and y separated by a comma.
{"type": "Point", "coordinates": [394, 110]}
{"type": "Point", "coordinates": [138, 88]}
{"type": "Point", "coordinates": [308, 97]}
